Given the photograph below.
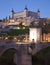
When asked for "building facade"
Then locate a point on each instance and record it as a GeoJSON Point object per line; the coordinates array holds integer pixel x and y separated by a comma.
{"type": "Point", "coordinates": [25, 17]}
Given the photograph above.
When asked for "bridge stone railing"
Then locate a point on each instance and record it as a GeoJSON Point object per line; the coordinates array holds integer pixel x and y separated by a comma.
{"type": "Point", "coordinates": [39, 47]}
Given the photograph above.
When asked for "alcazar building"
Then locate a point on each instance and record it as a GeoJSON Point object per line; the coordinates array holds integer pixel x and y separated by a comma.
{"type": "Point", "coordinates": [25, 17]}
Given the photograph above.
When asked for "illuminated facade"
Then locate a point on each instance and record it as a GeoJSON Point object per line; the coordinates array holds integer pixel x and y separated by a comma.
{"type": "Point", "coordinates": [46, 37]}
{"type": "Point", "coordinates": [25, 16]}
{"type": "Point", "coordinates": [35, 35]}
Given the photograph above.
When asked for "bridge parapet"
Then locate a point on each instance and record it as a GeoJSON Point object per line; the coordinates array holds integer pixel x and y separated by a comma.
{"type": "Point", "coordinates": [39, 47]}
{"type": "Point", "coordinates": [19, 45]}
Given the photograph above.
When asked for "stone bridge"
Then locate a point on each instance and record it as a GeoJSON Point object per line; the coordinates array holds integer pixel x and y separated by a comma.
{"type": "Point", "coordinates": [22, 56]}
{"type": "Point", "coordinates": [24, 51]}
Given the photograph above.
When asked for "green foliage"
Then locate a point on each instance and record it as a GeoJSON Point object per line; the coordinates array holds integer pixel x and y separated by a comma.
{"type": "Point", "coordinates": [18, 32]}
{"type": "Point", "coordinates": [14, 32]}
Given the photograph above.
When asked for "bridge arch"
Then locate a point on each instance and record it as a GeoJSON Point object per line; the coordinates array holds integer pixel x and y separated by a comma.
{"type": "Point", "coordinates": [8, 56]}
{"type": "Point", "coordinates": [7, 50]}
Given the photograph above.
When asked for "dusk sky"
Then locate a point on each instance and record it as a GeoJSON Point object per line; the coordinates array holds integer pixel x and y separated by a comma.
{"type": "Point", "coordinates": [19, 5]}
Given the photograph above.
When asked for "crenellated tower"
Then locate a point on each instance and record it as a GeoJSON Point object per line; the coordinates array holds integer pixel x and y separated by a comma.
{"type": "Point", "coordinates": [38, 12]}
{"type": "Point", "coordinates": [26, 11]}
{"type": "Point", "coordinates": [12, 14]}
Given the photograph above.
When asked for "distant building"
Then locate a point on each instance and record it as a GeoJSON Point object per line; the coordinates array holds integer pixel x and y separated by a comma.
{"type": "Point", "coordinates": [25, 17]}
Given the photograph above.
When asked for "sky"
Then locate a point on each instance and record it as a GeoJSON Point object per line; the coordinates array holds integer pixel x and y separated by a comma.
{"type": "Point", "coordinates": [19, 5]}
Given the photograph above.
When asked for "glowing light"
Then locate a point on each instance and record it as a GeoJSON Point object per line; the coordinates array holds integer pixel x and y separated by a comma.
{"type": "Point", "coordinates": [18, 27]}
{"type": "Point", "coordinates": [12, 21]}
{"type": "Point", "coordinates": [24, 23]}
{"type": "Point", "coordinates": [6, 38]}
{"type": "Point", "coordinates": [18, 40]}
{"type": "Point", "coordinates": [35, 35]}
{"type": "Point", "coordinates": [23, 27]}
{"type": "Point", "coordinates": [15, 39]}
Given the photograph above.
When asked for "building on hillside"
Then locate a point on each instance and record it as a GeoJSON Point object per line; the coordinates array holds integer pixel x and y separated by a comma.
{"type": "Point", "coordinates": [25, 17]}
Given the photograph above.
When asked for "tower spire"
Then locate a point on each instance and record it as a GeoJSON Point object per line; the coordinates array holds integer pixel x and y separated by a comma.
{"type": "Point", "coordinates": [12, 13]}
{"type": "Point", "coordinates": [12, 10]}
{"type": "Point", "coordinates": [38, 10]}
{"type": "Point", "coordinates": [26, 7]}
